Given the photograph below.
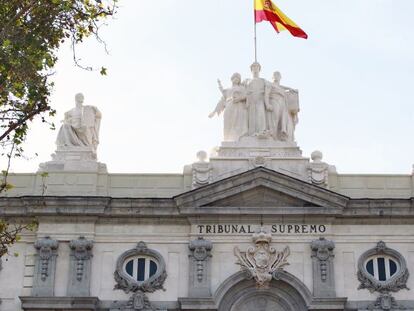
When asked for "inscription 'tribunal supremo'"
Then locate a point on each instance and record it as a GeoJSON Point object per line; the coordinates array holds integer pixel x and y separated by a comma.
{"type": "Point", "coordinates": [249, 229]}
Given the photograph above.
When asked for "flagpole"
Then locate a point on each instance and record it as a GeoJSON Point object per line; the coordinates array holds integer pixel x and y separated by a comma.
{"type": "Point", "coordinates": [255, 38]}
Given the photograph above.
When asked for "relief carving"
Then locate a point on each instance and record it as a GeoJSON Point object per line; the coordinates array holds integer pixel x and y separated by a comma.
{"type": "Point", "coordinates": [47, 249]}
{"type": "Point", "coordinates": [394, 283]}
{"type": "Point", "coordinates": [201, 171]}
{"type": "Point", "coordinates": [262, 262]}
{"type": "Point", "coordinates": [385, 302]}
{"type": "Point", "coordinates": [138, 300]}
{"type": "Point", "coordinates": [200, 251]}
{"type": "Point", "coordinates": [82, 251]}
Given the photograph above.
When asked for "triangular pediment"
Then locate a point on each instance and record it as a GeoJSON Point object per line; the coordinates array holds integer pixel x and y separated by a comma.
{"type": "Point", "coordinates": [260, 196]}
{"type": "Point", "coordinates": [261, 188]}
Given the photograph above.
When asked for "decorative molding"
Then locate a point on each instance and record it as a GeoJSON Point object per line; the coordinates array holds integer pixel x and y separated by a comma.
{"type": "Point", "coordinates": [30, 303]}
{"type": "Point", "coordinates": [82, 251]}
{"type": "Point", "coordinates": [262, 262]}
{"type": "Point", "coordinates": [318, 171]}
{"type": "Point", "coordinates": [200, 266]}
{"type": "Point", "coordinates": [385, 302]}
{"type": "Point", "coordinates": [44, 278]}
{"type": "Point", "coordinates": [80, 267]}
{"type": "Point", "coordinates": [138, 300]}
{"type": "Point", "coordinates": [323, 270]}
{"type": "Point", "coordinates": [128, 284]}
{"type": "Point", "coordinates": [201, 171]}
{"type": "Point", "coordinates": [393, 284]}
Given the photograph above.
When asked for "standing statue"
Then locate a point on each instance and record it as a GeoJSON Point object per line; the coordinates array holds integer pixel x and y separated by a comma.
{"type": "Point", "coordinates": [277, 115]}
{"type": "Point", "coordinates": [257, 102]}
{"type": "Point", "coordinates": [80, 126]}
{"type": "Point", "coordinates": [233, 103]}
{"type": "Point", "coordinates": [291, 112]}
{"type": "Point", "coordinates": [258, 108]}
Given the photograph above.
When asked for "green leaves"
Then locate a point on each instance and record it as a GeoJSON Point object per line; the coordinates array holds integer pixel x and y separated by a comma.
{"type": "Point", "coordinates": [31, 32]}
{"type": "Point", "coordinates": [103, 71]}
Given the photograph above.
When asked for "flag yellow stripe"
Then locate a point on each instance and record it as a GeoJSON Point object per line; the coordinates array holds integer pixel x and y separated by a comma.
{"type": "Point", "coordinates": [267, 5]}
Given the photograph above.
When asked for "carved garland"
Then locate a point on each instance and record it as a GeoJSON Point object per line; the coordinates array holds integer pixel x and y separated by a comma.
{"type": "Point", "coordinates": [128, 284]}
{"type": "Point", "coordinates": [393, 284]}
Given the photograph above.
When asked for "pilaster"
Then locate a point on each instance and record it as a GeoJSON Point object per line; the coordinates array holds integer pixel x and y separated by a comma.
{"type": "Point", "coordinates": [200, 268]}
{"type": "Point", "coordinates": [323, 268]}
{"type": "Point", "coordinates": [80, 267]}
{"type": "Point", "coordinates": [45, 267]}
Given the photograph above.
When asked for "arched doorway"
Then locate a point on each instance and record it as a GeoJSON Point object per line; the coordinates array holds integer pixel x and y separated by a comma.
{"type": "Point", "coordinates": [240, 294]}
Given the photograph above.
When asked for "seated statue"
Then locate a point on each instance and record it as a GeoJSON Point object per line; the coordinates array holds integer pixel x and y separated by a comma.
{"type": "Point", "coordinates": [80, 126]}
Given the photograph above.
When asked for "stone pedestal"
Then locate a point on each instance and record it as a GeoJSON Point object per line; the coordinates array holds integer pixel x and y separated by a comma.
{"type": "Point", "coordinates": [76, 159]}
{"type": "Point", "coordinates": [236, 157]}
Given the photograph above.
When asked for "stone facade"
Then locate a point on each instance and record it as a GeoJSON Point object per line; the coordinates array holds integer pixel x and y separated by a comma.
{"type": "Point", "coordinates": [195, 234]}
{"type": "Point", "coordinates": [256, 226]}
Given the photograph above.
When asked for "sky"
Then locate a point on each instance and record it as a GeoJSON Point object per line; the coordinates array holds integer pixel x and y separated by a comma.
{"type": "Point", "coordinates": [354, 76]}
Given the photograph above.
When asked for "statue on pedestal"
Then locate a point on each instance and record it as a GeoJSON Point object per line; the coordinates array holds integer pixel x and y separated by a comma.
{"type": "Point", "coordinates": [258, 108]}
{"type": "Point", "coordinates": [282, 117]}
{"type": "Point", "coordinates": [77, 141]}
{"type": "Point", "coordinates": [80, 126]}
{"type": "Point", "coordinates": [233, 103]}
{"type": "Point", "coordinates": [257, 102]}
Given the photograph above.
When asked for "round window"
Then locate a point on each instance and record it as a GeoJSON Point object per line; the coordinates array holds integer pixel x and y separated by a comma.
{"type": "Point", "coordinates": [140, 268]}
{"type": "Point", "coordinates": [381, 268]}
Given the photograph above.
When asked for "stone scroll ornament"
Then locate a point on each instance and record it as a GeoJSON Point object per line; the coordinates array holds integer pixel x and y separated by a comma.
{"type": "Point", "coordinates": [262, 262]}
{"type": "Point", "coordinates": [138, 300]}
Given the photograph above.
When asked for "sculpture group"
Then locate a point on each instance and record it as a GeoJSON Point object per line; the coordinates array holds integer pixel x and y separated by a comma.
{"type": "Point", "coordinates": [257, 107]}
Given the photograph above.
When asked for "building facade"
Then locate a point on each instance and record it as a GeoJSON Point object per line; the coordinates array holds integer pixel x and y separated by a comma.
{"type": "Point", "coordinates": [256, 226]}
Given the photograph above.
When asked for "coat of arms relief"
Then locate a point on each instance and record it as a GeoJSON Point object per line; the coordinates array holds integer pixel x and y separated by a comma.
{"type": "Point", "coordinates": [262, 261]}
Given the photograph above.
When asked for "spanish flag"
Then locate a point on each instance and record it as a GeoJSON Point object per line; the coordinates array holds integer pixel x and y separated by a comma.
{"type": "Point", "coordinates": [265, 10]}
